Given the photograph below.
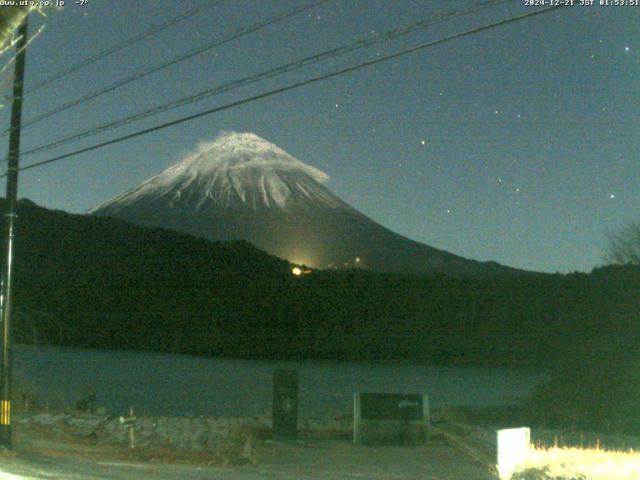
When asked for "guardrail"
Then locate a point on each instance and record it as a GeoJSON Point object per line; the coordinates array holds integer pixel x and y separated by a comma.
{"type": "Point", "coordinates": [475, 442]}
{"type": "Point", "coordinates": [500, 451]}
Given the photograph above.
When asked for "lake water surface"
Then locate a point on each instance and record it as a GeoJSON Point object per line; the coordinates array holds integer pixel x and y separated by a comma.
{"type": "Point", "coordinates": [166, 384]}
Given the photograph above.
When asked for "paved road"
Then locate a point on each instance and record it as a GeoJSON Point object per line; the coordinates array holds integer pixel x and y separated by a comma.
{"type": "Point", "coordinates": [321, 460]}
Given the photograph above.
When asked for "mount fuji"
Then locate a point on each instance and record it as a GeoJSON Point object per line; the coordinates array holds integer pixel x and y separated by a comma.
{"type": "Point", "coordinates": [242, 187]}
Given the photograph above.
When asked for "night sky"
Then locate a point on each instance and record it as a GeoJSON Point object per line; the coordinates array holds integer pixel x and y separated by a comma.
{"type": "Point", "coordinates": [518, 144]}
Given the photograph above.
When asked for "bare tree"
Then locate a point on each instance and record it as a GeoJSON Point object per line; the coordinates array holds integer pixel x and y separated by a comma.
{"type": "Point", "coordinates": [623, 246]}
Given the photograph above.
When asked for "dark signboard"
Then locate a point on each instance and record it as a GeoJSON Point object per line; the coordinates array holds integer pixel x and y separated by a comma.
{"type": "Point", "coordinates": [285, 404]}
{"type": "Point", "coordinates": [391, 406]}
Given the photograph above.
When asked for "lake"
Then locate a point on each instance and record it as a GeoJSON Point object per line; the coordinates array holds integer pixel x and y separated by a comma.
{"type": "Point", "coordinates": [166, 384]}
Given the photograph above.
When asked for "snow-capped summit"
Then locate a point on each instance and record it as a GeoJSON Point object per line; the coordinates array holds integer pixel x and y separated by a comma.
{"type": "Point", "coordinates": [234, 170]}
{"type": "Point", "coordinates": [235, 154]}
{"type": "Point", "coordinates": [242, 187]}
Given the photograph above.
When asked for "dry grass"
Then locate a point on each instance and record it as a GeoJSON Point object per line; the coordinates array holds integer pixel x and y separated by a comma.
{"type": "Point", "coordinates": [579, 463]}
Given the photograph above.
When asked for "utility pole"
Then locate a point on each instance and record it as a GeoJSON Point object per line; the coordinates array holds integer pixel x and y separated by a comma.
{"type": "Point", "coordinates": [10, 215]}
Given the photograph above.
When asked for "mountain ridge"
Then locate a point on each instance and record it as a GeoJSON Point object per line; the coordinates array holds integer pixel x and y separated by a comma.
{"type": "Point", "coordinates": [104, 283]}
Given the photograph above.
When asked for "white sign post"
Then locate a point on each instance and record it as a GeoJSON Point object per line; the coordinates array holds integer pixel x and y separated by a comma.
{"type": "Point", "coordinates": [513, 448]}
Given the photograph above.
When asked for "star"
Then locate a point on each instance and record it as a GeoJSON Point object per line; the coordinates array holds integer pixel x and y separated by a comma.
{"type": "Point", "coordinates": [627, 48]}
{"type": "Point", "coordinates": [611, 195]}
{"type": "Point", "coordinates": [423, 142]}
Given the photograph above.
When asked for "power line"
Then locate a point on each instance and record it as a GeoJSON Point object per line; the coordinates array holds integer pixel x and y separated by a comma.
{"type": "Point", "coordinates": [289, 67]}
{"type": "Point", "coordinates": [122, 45]}
{"type": "Point", "coordinates": [309, 81]}
{"type": "Point", "coordinates": [137, 76]}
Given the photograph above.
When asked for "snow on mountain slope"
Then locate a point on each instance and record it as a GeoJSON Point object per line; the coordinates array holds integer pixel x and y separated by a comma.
{"type": "Point", "coordinates": [235, 169]}
{"type": "Point", "coordinates": [241, 186]}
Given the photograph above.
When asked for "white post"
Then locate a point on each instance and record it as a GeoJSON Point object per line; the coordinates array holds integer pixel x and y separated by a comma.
{"type": "Point", "coordinates": [513, 448]}
{"type": "Point", "coordinates": [426, 415]}
{"type": "Point", "coordinates": [357, 417]}
{"type": "Point", "coordinates": [132, 443]}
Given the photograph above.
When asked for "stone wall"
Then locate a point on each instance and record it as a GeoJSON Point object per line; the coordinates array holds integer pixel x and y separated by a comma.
{"type": "Point", "coordinates": [182, 433]}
